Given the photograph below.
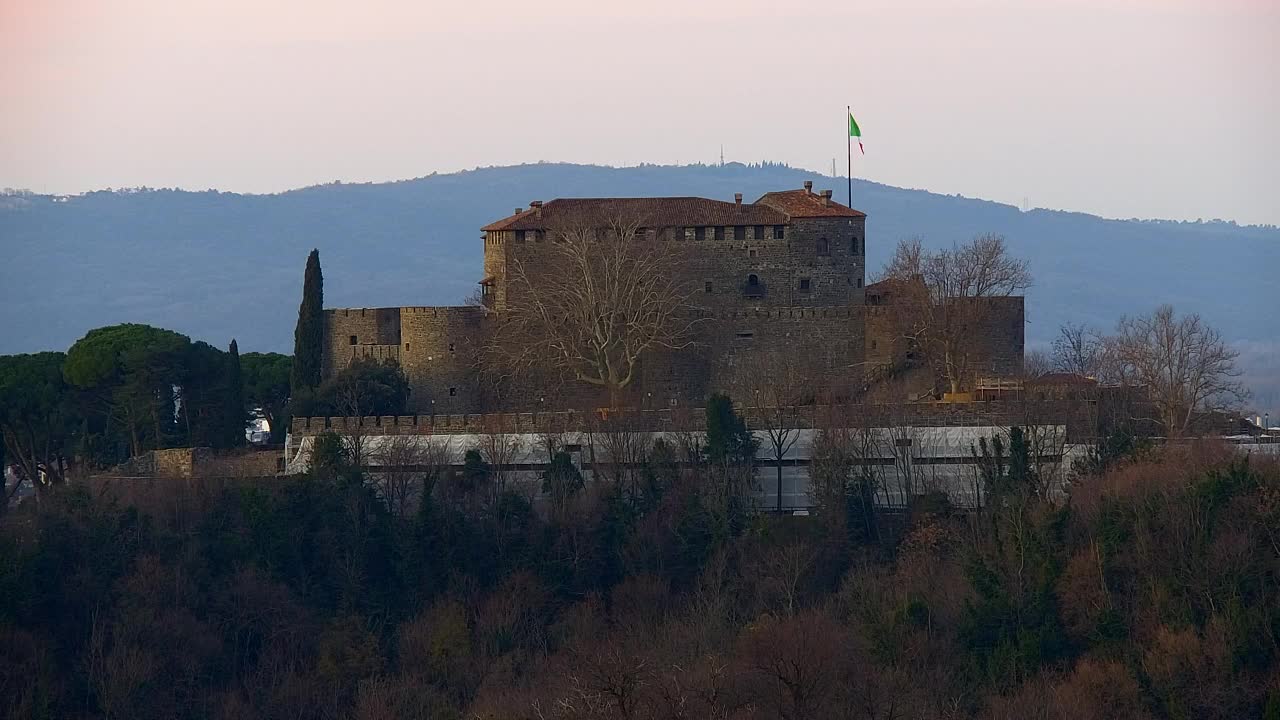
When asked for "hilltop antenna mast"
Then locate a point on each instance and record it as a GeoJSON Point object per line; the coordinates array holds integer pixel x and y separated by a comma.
{"type": "Point", "coordinates": [721, 154]}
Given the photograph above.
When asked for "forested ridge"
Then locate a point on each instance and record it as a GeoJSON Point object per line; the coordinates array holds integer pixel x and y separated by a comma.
{"type": "Point", "coordinates": [1152, 590]}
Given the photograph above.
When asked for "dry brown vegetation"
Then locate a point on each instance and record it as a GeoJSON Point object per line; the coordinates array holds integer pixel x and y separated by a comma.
{"type": "Point", "coordinates": [1153, 592]}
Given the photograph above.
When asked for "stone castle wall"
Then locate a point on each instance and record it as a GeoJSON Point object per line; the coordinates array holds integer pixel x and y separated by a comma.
{"type": "Point", "coordinates": [433, 345]}
{"type": "Point", "coordinates": [761, 290]}
{"type": "Point", "coordinates": [1076, 415]}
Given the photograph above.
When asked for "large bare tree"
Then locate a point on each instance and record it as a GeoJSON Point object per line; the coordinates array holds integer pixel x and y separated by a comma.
{"type": "Point", "coordinates": [939, 298]}
{"type": "Point", "coordinates": [592, 303]}
{"type": "Point", "coordinates": [1183, 363]}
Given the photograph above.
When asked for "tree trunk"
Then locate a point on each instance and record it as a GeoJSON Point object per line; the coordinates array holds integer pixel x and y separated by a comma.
{"type": "Point", "coordinates": [778, 455]}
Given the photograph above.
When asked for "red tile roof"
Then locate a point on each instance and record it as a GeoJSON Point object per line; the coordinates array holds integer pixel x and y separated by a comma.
{"type": "Point", "coordinates": [806, 204]}
{"type": "Point", "coordinates": [649, 212]}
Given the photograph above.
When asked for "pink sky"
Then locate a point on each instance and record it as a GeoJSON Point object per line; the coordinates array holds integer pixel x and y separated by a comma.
{"type": "Point", "coordinates": [1156, 108]}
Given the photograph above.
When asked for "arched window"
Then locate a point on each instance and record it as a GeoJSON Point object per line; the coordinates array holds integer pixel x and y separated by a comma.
{"type": "Point", "coordinates": [824, 247]}
{"type": "Point", "coordinates": [753, 281]}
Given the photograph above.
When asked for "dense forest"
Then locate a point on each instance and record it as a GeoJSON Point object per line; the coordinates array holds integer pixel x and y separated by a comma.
{"type": "Point", "coordinates": [1151, 591]}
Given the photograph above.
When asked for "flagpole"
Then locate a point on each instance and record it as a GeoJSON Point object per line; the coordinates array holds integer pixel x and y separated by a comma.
{"type": "Point", "coordinates": [848, 145]}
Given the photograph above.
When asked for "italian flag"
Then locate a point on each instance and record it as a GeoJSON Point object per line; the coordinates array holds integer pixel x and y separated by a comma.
{"type": "Point", "coordinates": [854, 132]}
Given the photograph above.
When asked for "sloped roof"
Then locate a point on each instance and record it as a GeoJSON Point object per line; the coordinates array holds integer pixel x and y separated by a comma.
{"type": "Point", "coordinates": [806, 204]}
{"type": "Point", "coordinates": [649, 212]}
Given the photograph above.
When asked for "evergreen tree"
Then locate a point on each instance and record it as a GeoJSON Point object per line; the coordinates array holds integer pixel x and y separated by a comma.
{"type": "Point", "coordinates": [728, 439]}
{"type": "Point", "coordinates": [308, 336]}
{"type": "Point", "coordinates": [235, 411]}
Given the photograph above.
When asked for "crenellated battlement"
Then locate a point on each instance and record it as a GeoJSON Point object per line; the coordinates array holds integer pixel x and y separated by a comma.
{"type": "Point", "coordinates": [1075, 414]}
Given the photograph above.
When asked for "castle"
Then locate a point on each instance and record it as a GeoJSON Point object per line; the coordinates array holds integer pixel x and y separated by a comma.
{"type": "Point", "coordinates": [785, 274]}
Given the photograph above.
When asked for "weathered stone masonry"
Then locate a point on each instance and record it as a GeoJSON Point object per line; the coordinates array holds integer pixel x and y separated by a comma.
{"type": "Point", "coordinates": [787, 268]}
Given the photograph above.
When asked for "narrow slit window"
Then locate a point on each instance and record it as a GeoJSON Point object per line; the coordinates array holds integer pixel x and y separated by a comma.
{"type": "Point", "coordinates": [824, 247]}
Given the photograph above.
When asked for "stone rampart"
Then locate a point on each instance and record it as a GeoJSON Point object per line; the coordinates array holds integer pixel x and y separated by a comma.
{"type": "Point", "coordinates": [1075, 415]}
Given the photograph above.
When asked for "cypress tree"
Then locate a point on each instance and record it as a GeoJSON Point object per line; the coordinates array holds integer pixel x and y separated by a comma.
{"type": "Point", "coordinates": [235, 411]}
{"type": "Point", "coordinates": [308, 336]}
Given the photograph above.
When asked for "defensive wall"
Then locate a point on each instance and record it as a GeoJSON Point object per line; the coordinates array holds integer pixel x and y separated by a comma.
{"type": "Point", "coordinates": [437, 347]}
{"type": "Point", "coordinates": [1076, 415]}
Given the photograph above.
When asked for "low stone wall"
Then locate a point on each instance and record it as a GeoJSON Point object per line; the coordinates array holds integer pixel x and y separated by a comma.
{"type": "Point", "coordinates": [202, 462]}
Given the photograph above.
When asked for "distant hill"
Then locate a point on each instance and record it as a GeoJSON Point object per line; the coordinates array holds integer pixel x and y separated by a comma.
{"type": "Point", "coordinates": [222, 265]}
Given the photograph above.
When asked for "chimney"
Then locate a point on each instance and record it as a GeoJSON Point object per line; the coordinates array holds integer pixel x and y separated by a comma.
{"type": "Point", "coordinates": [826, 197]}
{"type": "Point", "coordinates": [808, 187]}
{"type": "Point", "coordinates": [536, 206]}
{"type": "Point", "coordinates": [737, 198]}
{"type": "Point", "coordinates": [517, 211]}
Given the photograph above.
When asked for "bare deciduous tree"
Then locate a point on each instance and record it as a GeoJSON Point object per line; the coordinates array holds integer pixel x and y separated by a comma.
{"type": "Point", "coordinates": [1183, 363]}
{"type": "Point", "coordinates": [940, 298]}
{"type": "Point", "coordinates": [410, 466]}
{"type": "Point", "coordinates": [1036, 363]}
{"type": "Point", "coordinates": [625, 443]}
{"type": "Point", "coordinates": [500, 446]}
{"type": "Point", "coordinates": [779, 382]}
{"type": "Point", "coordinates": [592, 304]}
{"type": "Point", "coordinates": [1078, 349]}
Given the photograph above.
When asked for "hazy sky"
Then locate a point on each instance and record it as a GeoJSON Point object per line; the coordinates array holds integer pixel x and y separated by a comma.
{"type": "Point", "coordinates": [1149, 108]}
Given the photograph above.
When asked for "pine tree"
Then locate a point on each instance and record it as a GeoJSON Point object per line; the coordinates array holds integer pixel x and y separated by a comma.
{"type": "Point", "coordinates": [308, 336]}
{"type": "Point", "coordinates": [235, 411]}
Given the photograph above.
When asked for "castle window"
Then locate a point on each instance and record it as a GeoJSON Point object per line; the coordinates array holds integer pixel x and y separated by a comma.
{"type": "Point", "coordinates": [804, 284]}
{"type": "Point", "coordinates": [778, 232]}
{"type": "Point", "coordinates": [450, 347]}
{"type": "Point", "coordinates": [719, 233]}
{"type": "Point", "coordinates": [753, 287]}
{"type": "Point", "coordinates": [853, 245]}
{"type": "Point", "coordinates": [859, 282]}
{"type": "Point", "coordinates": [707, 286]}
{"type": "Point", "coordinates": [739, 232]}
{"type": "Point", "coordinates": [353, 340]}
{"type": "Point", "coordinates": [519, 236]}
{"type": "Point", "coordinates": [453, 391]}
{"type": "Point", "coordinates": [747, 335]}
{"type": "Point", "coordinates": [824, 247]}
{"type": "Point", "coordinates": [752, 281]}
{"type": "Point", "coordinates": [537, 235]}
{"type": "Point", "coordinates": [406, 347]}
{"type": "Point", "coordinates": [751, 252]}
{"type": "Point", "coordinates": [759, 232]}
{"type": "Point", "coordinates": [700, 233]}
{"type": "Point", "coordinates": [873, 344]}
